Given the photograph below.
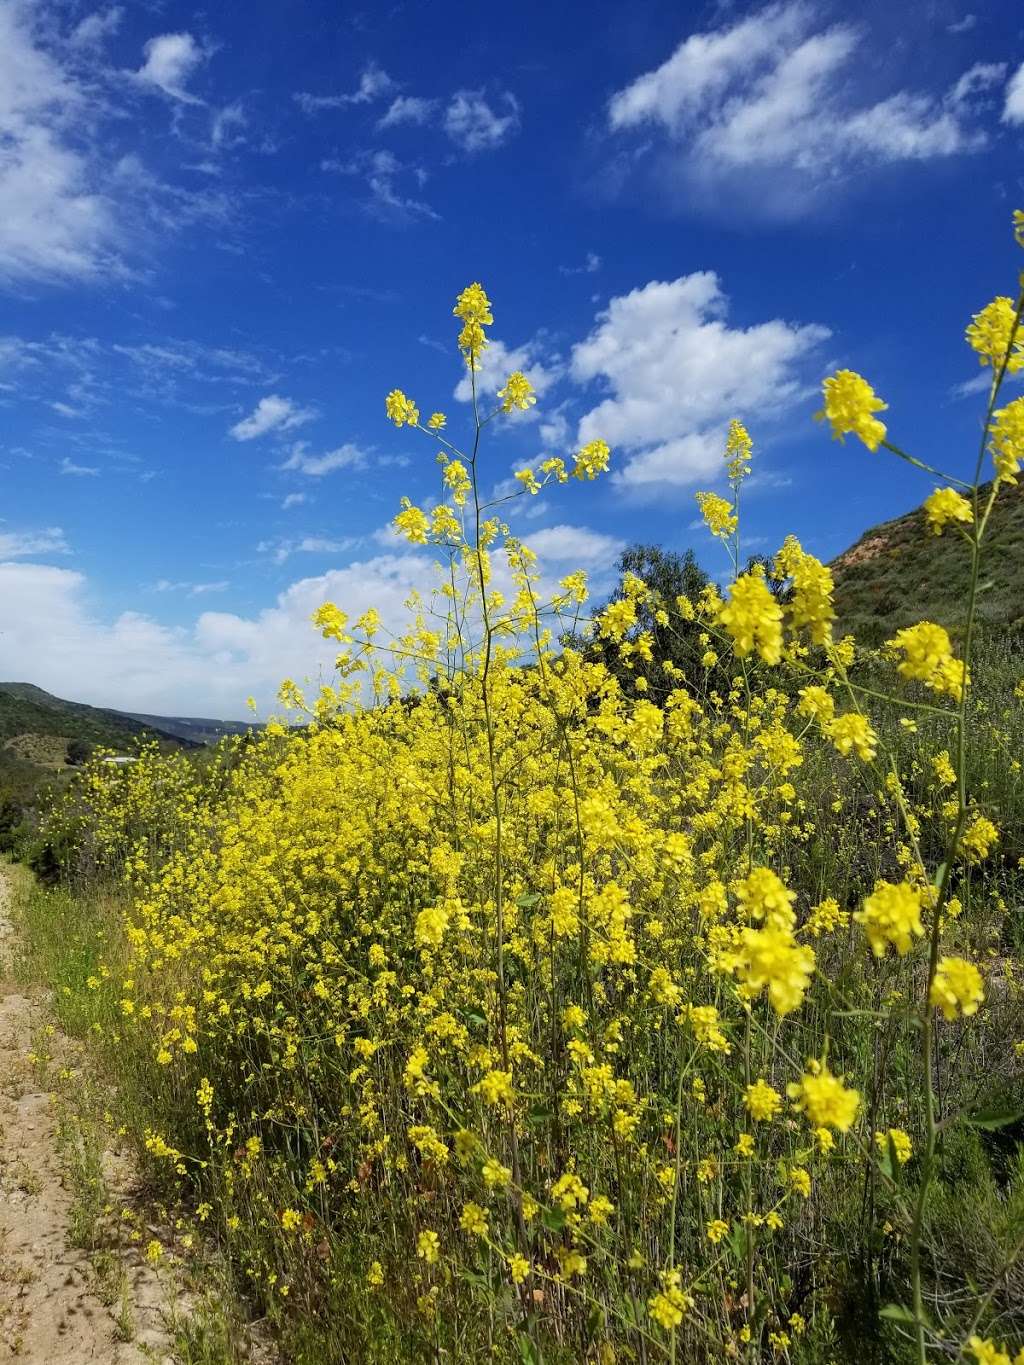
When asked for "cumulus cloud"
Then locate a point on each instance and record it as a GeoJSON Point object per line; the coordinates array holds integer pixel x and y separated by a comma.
{"type": "Point", "coordinates": [575, 545]}
{"type": "Point", "coordinates": [675, 372]}
{"type": "Point", "coordinates": [272, 413]}
{"type": "Point", "coordinates": [764, 109]}
{"type": "Point", "coordinates": [1013, 108]}
{"type": "Point", "coordinates": [475, 126]}
{"type": "Point", "coordinates": [211, 665]}
{"type": "Point", "coordinates": [171, 60]}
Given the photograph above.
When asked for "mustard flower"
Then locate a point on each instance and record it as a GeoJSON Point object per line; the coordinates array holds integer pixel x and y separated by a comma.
{"type": "Point", "coordinates": [816, 703]}
{"type": "Point", "coordinates": [517, 393]}
{"type": "Point", "coordinates": [568, 1191]}
{"type": "Point", "coordinates": [753, 618]}
{"type": "Point", "coordinates": [474, 308]}
{"type": "Point", "coordinates": [519, 1268]}
{"type": "Point", "coordinates": [799, 1181]}
{"type": "Point", "coordinates": [946, 505]}
{"type": "Point", "coordinates": [474, 1220]}
{"type": "Point", "coordinates": [400, 409]}
{"type": "Point", "coordinates": [375, 1275]}
{"type": "Point", "coordinates": [928, 658]}
{"type": "Point", "coordinates": [570, 1262]}
{"type": "Point", "coordinates": [1007, 440]}
{"type": "Point", "coordinates": [412, 523]}
{"type": "Point", "coordinates": [291, 1219]}
{"type": "Point", "coordinates": [892, 914]}
{"type": "Point", "coordinates": [437, 421]}
{"type": "Point", "coordinates": [823, 1099]}
{"type": "Point", "coordinates": [811, 586]}
{"type": "Point", "coordinates": [670, 1306]}
{"type": "Point", "coordinates": [591, 460]}
{"type": "Point", "coordinates": [763, 895]}
{"type": "Point", "coordinates": [738, 450]}
{"type": "Point", "coordinates": [900, 1142]}
{"type": "Point", "coordinates": [718, 513]}
{"type": "Point", "coordinates": [772, 957]}
{"type": "Point", "coordinates": [495, 1174]}
{"type": "Point", "coordinates": [850, 405]}
{"type": "Point", "coordinates": [762, 1101]}
{"type": "Point", "coordinates": [716, 1230]}
{"type": "Point", "coordinates": [529, 480]}
{"type": "Point", "coordinates": [744, 1145]}
{"type": "Point", "coordinates": [957, 987]}
{"type": "Point", "coordinates": [978, 839]}
{"type": "Point", "coordinates": [992, 334]}
{"type": "Point", "coordinates": [495, 1088]}
{"type": "Point", "coordinates": [456, 477]}
{"type": "Point", "coordinates": [330, 621]}
{"type": "Point", "coordinates": [428, 1246]}
{"type": "Point", "coordinates": [853, 733]}
{"type": "Point", "coordinates": [986, 1352]}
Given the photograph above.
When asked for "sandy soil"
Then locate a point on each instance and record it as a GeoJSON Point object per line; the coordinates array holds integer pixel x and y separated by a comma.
{"type": "Point", "coordinates": [49, 1308]}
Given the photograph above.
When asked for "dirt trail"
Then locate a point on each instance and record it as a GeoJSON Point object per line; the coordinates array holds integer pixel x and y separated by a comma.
{"type": "Point", "coordinates": [49, 1307]}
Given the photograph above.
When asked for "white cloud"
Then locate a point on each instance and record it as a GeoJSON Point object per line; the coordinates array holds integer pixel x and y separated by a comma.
{"type": "Point", "coordinates": [381, 171]}
{"type": "Point", "coordinates": [374, 84]}
{"type": "Point", "coordinates": [408, 109]}
{"type": "Point", "coordinates": [765, 111]}
{"type": "Point", "coordinates": [171, 59]}
{"type": "Point", "coordinates": [94, 29]}
{"type": "Point", "coordinates": [293, 500]}
{"type": "Point", "coordinates": [963, 25]}
{"type": "Point", "coordinates": [575, 545]}
{"type": "Point", "coordinates": [475, 126]}
{"type": "Point", "coordinates": [55, 224]}
{"type": "Point", "coordinates": [53, 637]}
{"type": "Point", "coordinates": [591, 264]}
{"type": "Point", "coordinates": [272, 413]}
{"type": "Point", "coordinates": [80, 470]}
{"type": "Point", "coordinates": [497, 363]}
{"type": "Point", "coordinates": [1013, 109]}
{"type": "Point", "coordinates": [347, 456]}
{"type": "Point", "coordinates": [20, 544]}
{"type": "Point", "coordinates": [677, 372]}
{"type": "Point", "coordinates": [282, 550]}
{"type": "Point", "coordinates": [191, 589]}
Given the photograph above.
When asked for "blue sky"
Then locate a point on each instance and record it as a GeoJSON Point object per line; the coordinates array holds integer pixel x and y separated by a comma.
{"type": "Point", "coordinates": [228, 232]}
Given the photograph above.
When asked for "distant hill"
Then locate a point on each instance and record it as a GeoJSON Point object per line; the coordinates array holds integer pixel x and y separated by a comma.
{"type": "Point", "coordinates": [196, 729]}
{"type": "Point", "coordinates": [36, 729]}
{"type": "Point", "coordinates": [28, 710]}
{"type": "Point", "coordinates": [898, 573]}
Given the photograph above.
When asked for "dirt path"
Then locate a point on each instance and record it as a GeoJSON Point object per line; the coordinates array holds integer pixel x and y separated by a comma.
{"type": "Point", "coordinates": [52, 1294]}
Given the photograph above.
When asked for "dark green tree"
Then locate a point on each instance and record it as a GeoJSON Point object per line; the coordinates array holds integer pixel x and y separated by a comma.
{"type": "Point", "coordinates": [668, 575]}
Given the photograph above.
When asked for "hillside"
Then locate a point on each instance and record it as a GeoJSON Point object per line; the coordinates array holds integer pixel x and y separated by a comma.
{"type": "Point", "coordinates": [898, 573]}
{"type": "Point", "coordinates": [28, 710]}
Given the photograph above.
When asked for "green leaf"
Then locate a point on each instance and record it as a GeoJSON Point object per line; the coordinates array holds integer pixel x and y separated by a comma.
{"type": "Point", "coordinates": [895, 1312]}
{"type": "Point", "coordinates": [528, 898]}
{"type": "Point", "coordinates": [994, 1118]}
{"type": "Point", "coordinates": [553, 1219]}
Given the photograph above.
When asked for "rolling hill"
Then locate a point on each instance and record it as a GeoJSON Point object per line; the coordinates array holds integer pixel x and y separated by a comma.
{"type": "Point", "coordinates": [898, 573]}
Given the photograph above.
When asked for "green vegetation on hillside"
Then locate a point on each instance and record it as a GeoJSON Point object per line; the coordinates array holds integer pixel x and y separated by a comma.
{"type": "Point", "coordinates": [897, 574]}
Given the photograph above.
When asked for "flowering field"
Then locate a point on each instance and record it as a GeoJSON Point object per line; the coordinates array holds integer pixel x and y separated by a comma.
{"type": "Point", "coordinates": [529, 1008]}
